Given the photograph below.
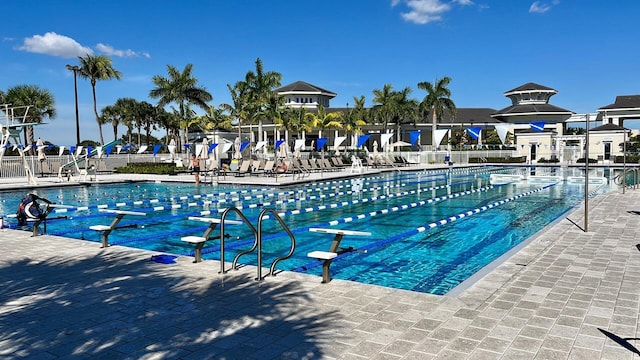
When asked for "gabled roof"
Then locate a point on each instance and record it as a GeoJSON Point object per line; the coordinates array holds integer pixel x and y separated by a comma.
{"type": "Point", "coordinates": [608, 127]}
{"type": "Point", "coordinates": [624, 102]}
{"type": "Point", "coordinates": [468, 115]}
{"type": "Point", "coordinates": [304, 88]}
{"type": "Point", "coordinates": [530, 87]}
{"type": "Point", "coordinates": [531, 109]}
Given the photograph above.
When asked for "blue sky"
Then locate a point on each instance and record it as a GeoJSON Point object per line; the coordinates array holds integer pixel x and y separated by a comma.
{"type": "Point", "coordinates": [586, 49]}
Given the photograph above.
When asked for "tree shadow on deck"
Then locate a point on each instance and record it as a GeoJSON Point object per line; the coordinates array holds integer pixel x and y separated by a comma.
{"type": "Point", "coordinates": [119, 305]}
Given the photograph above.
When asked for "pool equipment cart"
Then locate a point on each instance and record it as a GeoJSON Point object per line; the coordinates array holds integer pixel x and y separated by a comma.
{"type": "Point", "coordinates": [334, 249]}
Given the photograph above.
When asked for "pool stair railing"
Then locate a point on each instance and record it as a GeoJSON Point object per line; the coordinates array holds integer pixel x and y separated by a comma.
{"type": "Point", "coordinates": [107, 229]}
{"type": "Point", "coordinates": [334, 249]}
{"type": "Point", "coordinates": [284, 226]}
{"type": "Point", "coordinates": [257, 243]}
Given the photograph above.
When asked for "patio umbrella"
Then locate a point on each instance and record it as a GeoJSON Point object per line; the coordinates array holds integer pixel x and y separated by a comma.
{"type": "Point", "coordinates": [282, 150]}
{"type": "Point", "coordinates": [172, 149]}
{"type": "Point", "coordinates": [375, 149]}
{"type": "Point", "coordinates": [40, 146]}
{"type": "Point", "coordinates": [298, 145]}
{"type": "Point", "coordinates": [236, 149]}
{"type": "Point", "coordinates": [400, 144]}
{"type": "Point", "coordinates": [204, 153]}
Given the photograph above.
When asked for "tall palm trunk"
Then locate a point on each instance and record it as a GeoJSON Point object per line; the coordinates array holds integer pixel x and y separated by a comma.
{"type": "Point", "coordinates": [95, 110]}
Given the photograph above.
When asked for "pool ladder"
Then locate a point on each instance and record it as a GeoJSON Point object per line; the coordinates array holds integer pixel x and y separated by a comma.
{"type": "Point", "coordinates": [621, 179]}
{"type": "Point", "coordinates": [257, 244]}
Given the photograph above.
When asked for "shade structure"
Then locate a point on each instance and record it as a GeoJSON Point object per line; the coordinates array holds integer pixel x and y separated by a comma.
{"type": "Point", "coordinates": [336, 143]}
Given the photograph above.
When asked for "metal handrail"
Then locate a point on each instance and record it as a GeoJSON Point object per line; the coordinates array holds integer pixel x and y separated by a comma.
{"type": "Point", "coordinates": [222, 237]}
{"type": "Point", "coordinates": [621, 179]}
{"type": "Point", "coordinates": [259, 242]}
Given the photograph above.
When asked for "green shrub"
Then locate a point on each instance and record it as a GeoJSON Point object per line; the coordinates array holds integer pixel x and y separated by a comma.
{"type": "Point", "coordinates": [503, 160]}
{"type": "Point", "coordinates": [148, 168]}
{"type": "Point", "coordinates": [550, 161]}
{"type": "Point", "coordinates": [635, 159]}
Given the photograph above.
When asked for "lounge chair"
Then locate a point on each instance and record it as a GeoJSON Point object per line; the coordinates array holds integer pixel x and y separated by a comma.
{"type": "Point", "coordinates": [300, 169]}
{"type": "Point", "coordinates": [314, 166]}
{"type": "Point", "coordinates": [257, 167]}
{"type": "Point", "coordinates": [245, 168]}
{"type": "Point", "coordinates": [337, 164]}
{"type": "Point", "coordinates": [268, 168]}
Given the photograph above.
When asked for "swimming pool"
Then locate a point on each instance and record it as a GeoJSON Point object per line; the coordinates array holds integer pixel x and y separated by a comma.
{"type": "Point", "coordinates": [430, 230]}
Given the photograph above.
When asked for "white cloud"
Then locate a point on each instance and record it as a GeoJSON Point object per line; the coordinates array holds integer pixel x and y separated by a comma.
{"type": "Point", "coordinates": [426, 11]}
{"type": "Point", "coordinates": [55, 45]}
{"type": "Point", "coordinates": [111, 51]}
{"type": "Point", "coordinates": [540, 8]}
{"type": "Point", "coordinates": [63, 46]}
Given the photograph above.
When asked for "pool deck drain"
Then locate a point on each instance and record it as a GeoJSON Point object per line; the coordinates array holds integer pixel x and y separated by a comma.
{"type": "Point", "coordinates": [568, 294]}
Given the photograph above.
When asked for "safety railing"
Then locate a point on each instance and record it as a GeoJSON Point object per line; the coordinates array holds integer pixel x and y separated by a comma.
{"type": "Point", "coordinates": [259, 242]}
{"type": "Point", "coordinates": [251, 227]}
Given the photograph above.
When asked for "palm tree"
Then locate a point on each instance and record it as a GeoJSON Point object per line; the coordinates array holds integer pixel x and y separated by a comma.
{"type": "Point", "coordinates": [110, 114]}
{"type": "Point", "coordinates": [97, 68]}
{"type": "Point", "coordinates": [438, 99]}
{"type": "Point", "coordinates": [384, 104]}
{"type": "Point", "coordinates": [124, 112]}
{"type": "Point", "coordinates": [294, 120]}
{"type": "Point", "coordinates": [216, 119]}
{"type": "Point", "coordinates": [261, 85]}
{"type": "Point", "coordinates": [354, 119]}
{"type": "Point", "coordinates": [240, 98]}
{"type": "Point", "coordinates": [180, 88]}
{"type": "Point", "coordinates": [323, 120]}
{"type": "Point", "coordinates": [404, 108]}
{"type": "Point", "coordinates": [276, 112]}
{"type": "Point", "coordinates": [33, 101]}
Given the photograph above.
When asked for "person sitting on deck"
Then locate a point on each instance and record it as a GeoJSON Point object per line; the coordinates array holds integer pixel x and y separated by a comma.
{"type": "Point", "coordinates": [282, 168]}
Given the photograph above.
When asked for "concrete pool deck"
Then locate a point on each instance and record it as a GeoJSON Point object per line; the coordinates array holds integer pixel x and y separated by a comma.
{"type": "Point", "coordinates": [568, 294]}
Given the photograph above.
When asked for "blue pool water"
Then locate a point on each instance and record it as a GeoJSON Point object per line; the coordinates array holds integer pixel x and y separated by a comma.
{"type": "Point", "coordinates": [430, 230]}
